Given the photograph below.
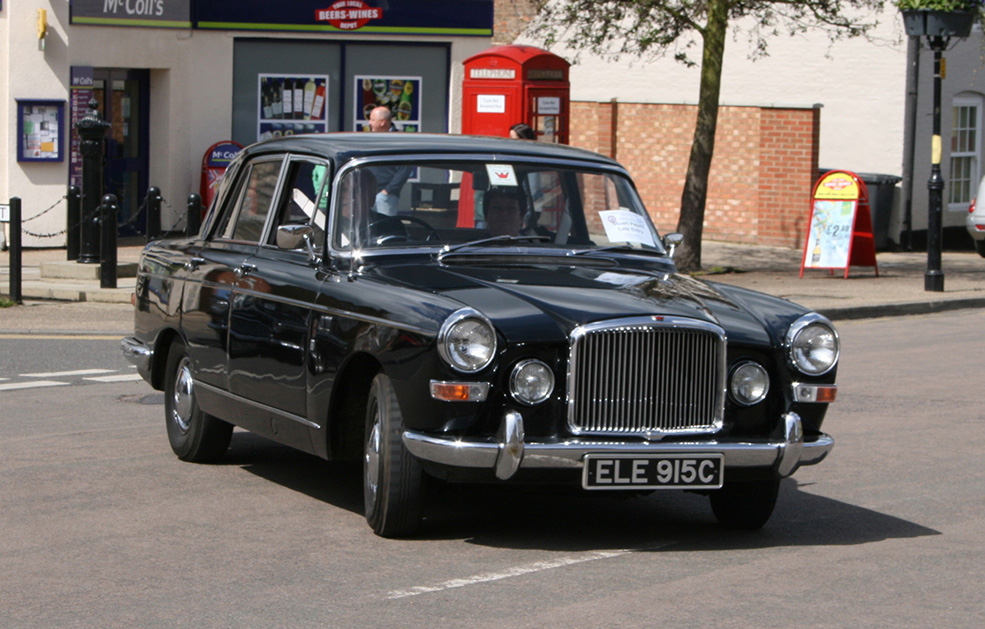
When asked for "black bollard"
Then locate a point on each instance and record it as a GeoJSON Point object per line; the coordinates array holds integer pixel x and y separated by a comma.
{"type": "Point", "coordinates": [153, 213]}
{"type": "Point", "coordinates": [193, 222]}
{"type": "Point", "coordinates": [73, 219]}
{"type": "Point", "coordinates": [107, 266]}
{"type": "Point", "coordinates": [16, 294]}
{"type": "Point", "coordinates": [91, 130]}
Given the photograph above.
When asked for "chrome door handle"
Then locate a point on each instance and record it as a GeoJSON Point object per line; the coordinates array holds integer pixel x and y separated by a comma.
{"type": "Point", "coordinates": [194, 263]}
{"type": "Point", "coordinates": [245, 269]}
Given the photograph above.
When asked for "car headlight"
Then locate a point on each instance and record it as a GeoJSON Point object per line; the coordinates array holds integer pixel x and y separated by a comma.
{"type": "Point", "coordinates": [531, 382]}
{"type": "Point", "coordinates": [749, 383]}
{"type": "Point", "coordinates": [467, 341]}
{"type": "Point", "coordinates": [812, 345]}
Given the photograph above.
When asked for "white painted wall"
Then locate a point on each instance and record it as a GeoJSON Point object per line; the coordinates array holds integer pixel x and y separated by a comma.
{"type": "Point", "coordinates": [860, 83]}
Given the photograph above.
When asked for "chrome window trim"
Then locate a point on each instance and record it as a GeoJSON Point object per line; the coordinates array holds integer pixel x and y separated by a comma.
{"type": "Point", "coordinates": [424, 159]}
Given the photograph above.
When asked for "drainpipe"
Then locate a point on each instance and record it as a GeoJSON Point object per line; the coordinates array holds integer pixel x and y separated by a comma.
{"type": "Point", "coordinates": [909, 135]}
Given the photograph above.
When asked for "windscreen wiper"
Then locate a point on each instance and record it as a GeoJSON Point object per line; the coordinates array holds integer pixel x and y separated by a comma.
{"type": "Point", "coordinates": [629, 248]}
{"type": "Point", "coordinates": [485, 241]}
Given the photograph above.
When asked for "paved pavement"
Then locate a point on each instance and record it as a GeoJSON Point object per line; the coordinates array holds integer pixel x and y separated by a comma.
{"type": "Point", "coordinates": [898, 289]}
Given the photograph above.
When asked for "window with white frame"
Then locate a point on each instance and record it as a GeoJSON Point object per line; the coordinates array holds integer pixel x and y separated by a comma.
{"type": "Point", "coordinates": [966, 124]}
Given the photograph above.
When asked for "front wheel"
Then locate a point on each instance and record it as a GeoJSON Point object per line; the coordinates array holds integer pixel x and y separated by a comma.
{"type": "Point", "coordinates": [194, 435]}
{"type": "Point", "coordinates": [392, 477]}
{"type": "Point", "coordinates": [745, 505]}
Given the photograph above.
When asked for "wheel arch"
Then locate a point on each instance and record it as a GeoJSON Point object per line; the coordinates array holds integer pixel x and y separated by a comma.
{"type": "Point", "coordinates": [162, 346]}
{"type": "Point", "coordinates": [347, 410]}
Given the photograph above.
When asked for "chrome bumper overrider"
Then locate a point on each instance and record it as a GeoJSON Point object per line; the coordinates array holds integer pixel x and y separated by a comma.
{"type": "Point", "coordinates": [511, 452]}
{"type": "Point", "coordinates": [137, 353]}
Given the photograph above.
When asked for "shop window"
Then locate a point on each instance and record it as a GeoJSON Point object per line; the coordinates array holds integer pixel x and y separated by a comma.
{"type": "Point", "coordinates": [965, 152]}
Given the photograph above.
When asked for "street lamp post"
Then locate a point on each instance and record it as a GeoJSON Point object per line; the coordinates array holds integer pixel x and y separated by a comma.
{"type": "Point", "coordinates": [933, 279]}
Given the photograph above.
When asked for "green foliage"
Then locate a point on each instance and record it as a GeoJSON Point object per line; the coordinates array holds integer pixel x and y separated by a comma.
{"type": "Point", "coordinates": [939, 5]}
{"type": "Point", "coordinates": [650, 28]}
{"type": "Point", "coordinates": [6, 303]}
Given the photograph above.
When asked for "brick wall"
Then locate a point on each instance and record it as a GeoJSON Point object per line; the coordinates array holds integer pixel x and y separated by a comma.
{"type": "Point", "coordinates": [761, 177]}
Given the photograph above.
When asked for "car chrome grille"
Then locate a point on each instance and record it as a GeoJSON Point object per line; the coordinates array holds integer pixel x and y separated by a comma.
{"type": "Point", "coordinates": [648, 376]}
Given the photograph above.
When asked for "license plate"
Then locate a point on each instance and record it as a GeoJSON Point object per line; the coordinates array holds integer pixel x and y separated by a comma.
{"type": "Point", "coordinates": [663, 471]}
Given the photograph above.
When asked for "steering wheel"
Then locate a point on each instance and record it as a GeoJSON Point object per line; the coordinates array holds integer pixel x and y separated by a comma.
{"type": "Point", "coordinates": [432, 233]}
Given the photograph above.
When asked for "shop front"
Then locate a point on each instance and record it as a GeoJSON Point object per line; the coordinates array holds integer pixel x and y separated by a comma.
{"type": "Point", "coordinates": [175, 77]}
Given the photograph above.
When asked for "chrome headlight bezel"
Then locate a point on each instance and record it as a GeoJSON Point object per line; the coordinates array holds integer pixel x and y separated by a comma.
{"type": "Point", "coordinates": [741, 375]}
{"type": "Point", "coordinates": [463, 354]}
{"type": "Point", "coordinates": [813, 345]}
{"type": "Point", "coordinates": [531, 382]}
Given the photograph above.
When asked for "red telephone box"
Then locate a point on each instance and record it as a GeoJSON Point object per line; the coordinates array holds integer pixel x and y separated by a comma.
{"type": "Point", "coordinates": [509, 84]}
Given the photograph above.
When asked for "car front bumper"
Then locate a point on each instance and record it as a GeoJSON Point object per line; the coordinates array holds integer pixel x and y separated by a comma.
{"type": "Point", "coordinates": [510, 452]}
{"type": "Point", "coordinates": [139, 354]}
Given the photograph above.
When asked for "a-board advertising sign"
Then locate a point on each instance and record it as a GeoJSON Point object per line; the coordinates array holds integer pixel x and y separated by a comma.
{"type": "Point", "coordinates": [840, 229]}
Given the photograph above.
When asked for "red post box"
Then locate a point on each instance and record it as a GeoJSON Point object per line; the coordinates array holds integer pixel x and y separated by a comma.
{"type": "Point", "coordinates": [509, 84]}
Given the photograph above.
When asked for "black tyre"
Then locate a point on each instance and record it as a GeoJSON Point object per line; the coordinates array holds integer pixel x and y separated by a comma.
{"type": "Point", "coordinates": [194, 435]}
{"type": "Point", "coordinates": [392, 477]}
{"type": "Point", "coordinates": [746, 505]}
{"type": "Point", "coordinates": [980, 247]}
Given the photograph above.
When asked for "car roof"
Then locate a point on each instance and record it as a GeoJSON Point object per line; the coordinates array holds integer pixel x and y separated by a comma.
{"type": "Point", "coordinates": [343, 147]}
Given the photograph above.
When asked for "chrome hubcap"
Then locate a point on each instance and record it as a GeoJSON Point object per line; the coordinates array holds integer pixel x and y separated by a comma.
{"type": "Point", "coordinates": [371, 460]}
{"type": "Point", "coordinates": [183, 398]}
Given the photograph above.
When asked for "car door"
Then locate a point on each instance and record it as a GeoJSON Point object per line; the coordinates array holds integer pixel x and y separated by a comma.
{"type": "Point", "coordinates": [215, 266]}
{"type": "Point", "coordinates": [271, 310]}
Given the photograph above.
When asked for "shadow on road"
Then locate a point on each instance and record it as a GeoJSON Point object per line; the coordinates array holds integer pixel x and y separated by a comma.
{"type": "Point", "coordinates": [573, 520]}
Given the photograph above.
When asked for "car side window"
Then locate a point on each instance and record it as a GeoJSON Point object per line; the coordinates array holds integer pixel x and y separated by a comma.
{"type": "Point", "coordinates": [254, 200]}
{"type": "Point", "coordinates": [304, 201]}
{"type": "Point", "coordinates": [356, 196]}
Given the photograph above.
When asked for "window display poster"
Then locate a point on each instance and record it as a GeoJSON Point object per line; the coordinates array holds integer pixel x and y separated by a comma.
{"type": "Point", "coordinates": [291, 105]}
{"type": "Point", "coordinates": [39, 131]}
{"type": "Point", "coordinates": [402, 95]}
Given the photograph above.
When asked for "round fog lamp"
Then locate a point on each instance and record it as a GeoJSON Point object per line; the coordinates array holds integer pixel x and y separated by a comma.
{"type": "Point", "coordinates": [531, 382]}
{"type": "Point", "coordinates": [749, 383]}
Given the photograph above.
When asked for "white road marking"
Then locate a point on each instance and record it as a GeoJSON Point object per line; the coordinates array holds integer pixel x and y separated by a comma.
{"type": "Point", "coordinates": [540, 566]}
{"type": "Point", "coordinates": [127, 377]}
{"type": "Point", "coordinates": [31, 385]}
{"type": "Point", "coordinates": [63, 374]}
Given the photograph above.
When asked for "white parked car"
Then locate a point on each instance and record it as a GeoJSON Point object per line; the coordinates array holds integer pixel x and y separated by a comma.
{"type": "Point", "coordinates": [975, 221]}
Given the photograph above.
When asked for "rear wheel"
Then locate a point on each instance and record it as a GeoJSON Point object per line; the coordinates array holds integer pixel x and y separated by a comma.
{"type": "Point", "coordinates": [745, 505]}
{"type": "Point", "coordinates": [980, 246]}
{"type": "Point", "coordinates": [194, 435]}
{"type": "Point", "coordinates": [392, 477]}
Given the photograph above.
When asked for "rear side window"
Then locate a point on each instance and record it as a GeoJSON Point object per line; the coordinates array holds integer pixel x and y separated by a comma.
{"type": "Point", "coordinates": [244, 221]}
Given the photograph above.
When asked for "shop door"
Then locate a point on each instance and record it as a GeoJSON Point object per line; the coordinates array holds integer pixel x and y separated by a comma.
{"type": "Point", "coordinates": [123, 97]}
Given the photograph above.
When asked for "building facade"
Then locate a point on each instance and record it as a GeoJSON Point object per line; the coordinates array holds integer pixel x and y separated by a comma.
{"type": "Point", "coordinates": [175, 77]}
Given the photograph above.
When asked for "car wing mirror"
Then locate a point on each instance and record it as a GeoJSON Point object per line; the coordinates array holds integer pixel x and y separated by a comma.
{"type": "Point", "coordinates": [296, 237]}
{"type": "Point", "coordinates": [671, 241]}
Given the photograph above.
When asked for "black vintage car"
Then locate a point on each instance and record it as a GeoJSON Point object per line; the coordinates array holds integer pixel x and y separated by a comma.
{"type": "Point", "coordinates": [514, 317]}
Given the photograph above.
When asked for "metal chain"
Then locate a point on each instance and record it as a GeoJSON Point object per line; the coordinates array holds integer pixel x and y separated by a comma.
{"type": "Point", "coordinates": [132, 222]}
{"type": "Point", "coordinates": [28, 220]}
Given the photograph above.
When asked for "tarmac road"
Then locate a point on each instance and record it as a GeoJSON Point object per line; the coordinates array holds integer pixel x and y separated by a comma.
{"type": "Point", "coordinates": [103, 526]}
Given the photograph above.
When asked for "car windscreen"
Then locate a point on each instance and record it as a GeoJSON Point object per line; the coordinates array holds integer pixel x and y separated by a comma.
{"type": "Point", "coordinates": [426, 203]}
